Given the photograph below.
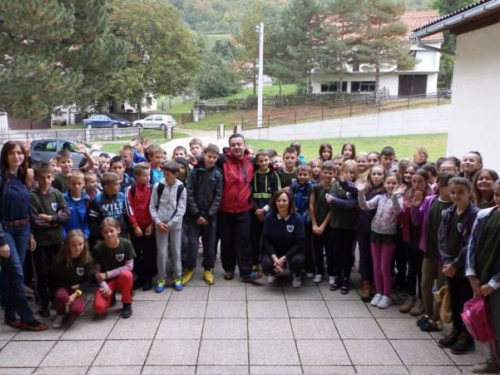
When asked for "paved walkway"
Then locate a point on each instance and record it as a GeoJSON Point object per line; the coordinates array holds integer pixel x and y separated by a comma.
{"type": "Point", "coordinates": [235, 328]}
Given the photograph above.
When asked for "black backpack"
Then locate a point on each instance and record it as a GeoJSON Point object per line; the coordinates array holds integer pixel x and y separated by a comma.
{"type": "Point", "coordinates": [161, 187]}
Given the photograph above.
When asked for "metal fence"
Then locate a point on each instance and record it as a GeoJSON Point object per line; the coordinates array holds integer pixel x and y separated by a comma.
{"type": "Point", "coordinates": [87, 135]}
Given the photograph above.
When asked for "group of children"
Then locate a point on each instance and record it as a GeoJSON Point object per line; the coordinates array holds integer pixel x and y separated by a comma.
{"type": "Point", "coordinates": [126, 220]}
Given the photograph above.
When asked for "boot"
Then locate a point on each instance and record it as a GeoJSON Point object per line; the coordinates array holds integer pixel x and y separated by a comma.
{"type": "Point", "coordinates": [464, 344]}
{"type": "Point", "coordinates": [418, 308]}
{"type": "Point", "coordinates": [407, 305]}
{"type": "Point", "coordinates": [365, 291]}
{"type": "Point", "coordinates": [450, 340]}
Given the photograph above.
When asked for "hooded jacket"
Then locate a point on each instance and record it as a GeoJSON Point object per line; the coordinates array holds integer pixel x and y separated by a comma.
{"type": "Point", "coordinates": [204, 192]}
{"type": "Point", "coordinates": [168, 211]}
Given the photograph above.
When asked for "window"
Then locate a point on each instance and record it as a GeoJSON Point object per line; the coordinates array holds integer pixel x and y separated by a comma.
{"type": "Point", "coordinates": [149, 118]}
{"type": "Point", "coordinates": [46, 146]}
{"type": "Point", "coordinates": [158, 118]}
{"type": "Point", "coordinates": [69, 146]}
{"type": "Point", "coordinates": [363, 86]}
{"type": "Point", "coordinates": [149, 101]}
{"type": "Point", "coordinates": [333, 87]}
{"type": "Point", "coordinates": [355, 65]}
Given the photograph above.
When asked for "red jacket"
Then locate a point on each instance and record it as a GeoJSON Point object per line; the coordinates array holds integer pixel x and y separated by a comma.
{"type": "Point", "coordinates": [237, 192]}
{"type": "Point", "coordinates": [138, 206]}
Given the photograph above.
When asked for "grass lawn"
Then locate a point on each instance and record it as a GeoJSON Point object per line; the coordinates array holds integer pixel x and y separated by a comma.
{"type": "Point", "coordinates": [156, 136]}
{"type": "Point", "coordinates": [267, 91]}
{"type": "Point", "coordinates": [404, 145]}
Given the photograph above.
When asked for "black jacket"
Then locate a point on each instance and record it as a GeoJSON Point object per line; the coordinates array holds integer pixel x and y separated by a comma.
{"type": "Point", "coordinates": [204, 192]}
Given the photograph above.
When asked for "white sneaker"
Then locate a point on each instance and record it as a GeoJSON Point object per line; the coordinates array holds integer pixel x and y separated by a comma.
{"type": "Point", "coordinates": [271, 279]}
{"type": "Point", "coordinates": [385, 303]}
{"type": "Point", "coordinates": [296, 282]}
{"type": "Point", "coordinates": [318, 278]}
{"type": "Point", "coordinates": [331, 280]}
{"type": "Point", "coordinates": [309, 275]}
{"type": "Point", "coordinates": [376, 299]}
{"type": "Point", "coordinates": [58, 322]}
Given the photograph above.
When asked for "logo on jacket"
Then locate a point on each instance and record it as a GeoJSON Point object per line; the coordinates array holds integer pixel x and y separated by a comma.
{"type": "Point", "coordinates": [79, 271]}
{"type": "Point", "coordinates": [54, 206]}
{"type": "Point", "coordinates": [290, 228]}
{"type": "Point", "coordinates": [120, 257]}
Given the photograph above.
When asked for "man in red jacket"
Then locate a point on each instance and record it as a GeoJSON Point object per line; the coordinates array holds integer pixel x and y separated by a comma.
{"type": "Point", "coordinates": [234, 215]}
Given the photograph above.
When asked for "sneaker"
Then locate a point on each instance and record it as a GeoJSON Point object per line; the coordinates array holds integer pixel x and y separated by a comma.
{"type": "Point", "coordinates": [147, 285]}
{"type": "Point", "coordinates": [188, 275]}
{"type": "Point", "coordinates": [345, 288]}
{"type": "Point", "coordinates": [431, 326]}
{"type": "Point", "coordinates": [178, 285]}
{"type": "Point", "coordinates": [57, 323]}
{"type": "Point", "coordinates": [34, 326]}
{"type": "Point", "coordinates": [296, 282]}
{"type": "Point", "coordinates": [407, 305]}
{"type": "Point", "coordinates": [127, 310]}
{"type": "Point", "coordinates": [256, 268]}
{"type": "Point", "coordinates": [252, 276]}
{"type": "Point", "coordinates": [271, 279]}
{"type": "Point", "coordinates": [418, 308]}
{"type": "Point", "coordinates": [208, 276]}
{"type": "Point", "coordinates": [309, 275]}
{"type": "Point", "coordinates": [228, 275]}
{"type": "Point", "coordinates": [331, 280]}
{"type": "Point", "coordinates": [44, 312]}
{"type": "Point", "coordinates": [365, 292]}
{"type": "Point", "coordinates": [335, 285]}
{"type": "Point", "coordinates": [450, 340]}
{"type": "Point", "coordinates": [160, 286]}
{"type": "Point", "coordinates": [318, 278]}
{"type": "Point", "coordinates": [385, 302]}
{"type": "Point", "coordinates": [422, 320]}
{"type": "Point", "coordinates": [488, 367]}
{"type": "Point", "coordinates": [465, 343]}
{"type": "Point", "coordinates": [376, 299]}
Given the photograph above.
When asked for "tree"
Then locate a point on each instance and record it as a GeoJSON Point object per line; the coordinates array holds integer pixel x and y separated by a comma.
{"type": "Point", "coordinates": [54, 53]}
{"type": "Point", "coordinates": [162, 54]}
{"type": "Point", "coordinates": [380, 38]}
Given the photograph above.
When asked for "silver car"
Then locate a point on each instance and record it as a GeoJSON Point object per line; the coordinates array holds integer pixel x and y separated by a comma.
{"type": "Point", "coordinates": [156, 122]}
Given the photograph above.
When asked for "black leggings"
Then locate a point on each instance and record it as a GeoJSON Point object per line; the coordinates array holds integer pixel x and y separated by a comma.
{"type": "Point", "coordinates": [295, 263]}
{"type": "Point", "coordinates": [415, 257]}
{"type": "Point", "coordinates": [342, 243]}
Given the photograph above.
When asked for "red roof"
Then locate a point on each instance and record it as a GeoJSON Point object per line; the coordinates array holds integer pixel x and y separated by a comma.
{"type": "Point", "coordinates": [416, 19]}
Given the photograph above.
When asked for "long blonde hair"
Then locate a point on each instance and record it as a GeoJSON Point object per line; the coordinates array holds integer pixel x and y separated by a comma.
{"type": "Point", "coordinates": [65, 253]}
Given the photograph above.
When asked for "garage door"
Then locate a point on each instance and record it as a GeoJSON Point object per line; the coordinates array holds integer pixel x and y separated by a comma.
{"type": "Point", "coordinates": [412, 85]}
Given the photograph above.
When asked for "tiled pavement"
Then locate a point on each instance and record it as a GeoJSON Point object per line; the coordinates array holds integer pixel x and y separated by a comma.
{"type": "Point", "coordinates": [235, 328]}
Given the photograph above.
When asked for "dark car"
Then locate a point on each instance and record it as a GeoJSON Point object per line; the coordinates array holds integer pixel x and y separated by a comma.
{"type": "Point", "coordinates": [105, 121]}
{"type": "Point", "coordinates": [46, 149]}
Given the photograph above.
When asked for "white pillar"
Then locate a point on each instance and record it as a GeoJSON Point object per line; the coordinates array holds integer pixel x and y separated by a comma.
{"type": "Point", "coordinates": [261, 74]}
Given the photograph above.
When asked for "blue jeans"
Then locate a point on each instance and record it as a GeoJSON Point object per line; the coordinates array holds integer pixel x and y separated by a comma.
{"type": "Point", "coordinates": [12, 276]}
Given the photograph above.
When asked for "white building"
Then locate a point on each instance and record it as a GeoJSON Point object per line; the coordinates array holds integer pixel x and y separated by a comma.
{"type": "Point", "coordinates": [422, 79]}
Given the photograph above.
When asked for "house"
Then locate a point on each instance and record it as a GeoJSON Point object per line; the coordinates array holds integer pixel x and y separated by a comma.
{"type": "Point", "coordinates": [475, 112]}
{"type": "Point", "coordinates": [421, 80]}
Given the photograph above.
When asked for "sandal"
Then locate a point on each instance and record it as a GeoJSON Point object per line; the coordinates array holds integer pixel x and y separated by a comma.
{"type": "Point", "coordinates": [228, 275]}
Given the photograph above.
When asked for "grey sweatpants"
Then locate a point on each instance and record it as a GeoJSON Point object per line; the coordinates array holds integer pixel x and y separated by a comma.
{"type": "Point", "coordinates": [169, 242]}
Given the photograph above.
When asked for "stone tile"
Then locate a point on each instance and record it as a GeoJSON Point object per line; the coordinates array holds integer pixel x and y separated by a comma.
{"type": "Point", "coordinates": [48, 335]}
{"type": "Point", "coordinates": [228, 293]}
{"type": "Point", "coordinates": [477, 356]}
{"type": "Point", "coordinates": [420, 352]}
{"type": "Point", "coordinates": [358, 328]}
{"type": "Point", "coordinates": [401, 328]}
{"type": "Point", "coordinates": [434, 370]}
{"type": "Point", "coordinates": [131, 329]}
{"type": "Point", "coordinates": [305, 293]}
{"type": "Point", "coordinates": [24, 353]}
{"type": "Point", "coordinates": [111, 370]}
{"type": "Point", "coordinates": [7, 333]}
{"type": "Point", "coordinates": [226, 309]}
{"type": "Point", "coordinates": [223, 329]}
{"type": "Point", "coordinates": [265, 293]}
{"type": "Point", "coordinates": [72, 353]}
{"type": "Point", "coordinates": [314, 329]}
{"type": "Point", "coordinates": [376, 370]}
{"type": "Point", "coordinates": [320, 353]}
{"type": "Point", "coordinates": [160, 370]}
{"type": "Point", "coordinates": [173, 353]}
{"type": "Point", "coordinates": [185, 309]}
{"type": "Point", "coordinates": [348, 309]}
{"type": "Point", "coordinates": [88, 328]}
{"type": "Point", "coordinates": [267, 309]}
{"type": "Point", "coordinates": [148, 309]}
{"type": "Point", "coordinates": [371, 352]}
{"type": "Point", "coordinates": [329, 295]}
{"type": "Point", "coordinates": [307, 309]}
{"type": "Point", "coordinates": [180, 329]}
{"type": "Point", "coordinates": [275, 370]}
{"type": "Point", "coordinates": [391, 312]}
{"type": "Point", "coordinates": [13, 370]}
{"type": "Point", "coordinates": [329, 370]}
{"type": "Point", "coordinates": [123, 353]}
{"type": "Point", "coordinates": [215, 370]}
{"type": "Point", "coordinates": [73, 370]}
{"type": "Point", "coordinates": [273, 353]}
{"type": "Point", "coordinates": [270, 329]}
{"type": "Point", "coordinates": [223, 352]}
{"type": "Point", "coordinates": [195, 293]}
{"type": "Point", "coordinates": [3, 343]}
{"type": "Point", "coordinates": [150, 295]}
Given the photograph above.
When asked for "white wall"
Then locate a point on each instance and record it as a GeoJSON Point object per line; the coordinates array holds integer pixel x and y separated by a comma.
{"type": "Point", "coordinates": [475, 110]}
{"type": "Point", "coordinates": [4, 123]}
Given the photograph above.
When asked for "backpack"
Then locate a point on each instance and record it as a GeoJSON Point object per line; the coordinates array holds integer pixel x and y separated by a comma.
{"type": "Point", "coordinates": [476, 318]}
{"type": "Point", "coordinates": [161, 187]}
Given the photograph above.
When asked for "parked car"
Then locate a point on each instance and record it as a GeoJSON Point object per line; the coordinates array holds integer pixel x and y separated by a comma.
{"type": "Point", "coordinates": [45, 149]}
{"type": "Point", "coordinates": [155, 122]}
{"type": "Point", "coordinates": [105, 121]}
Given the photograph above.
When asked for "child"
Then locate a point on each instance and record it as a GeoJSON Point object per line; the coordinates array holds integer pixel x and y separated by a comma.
{"type": "Point", "coordinates": [108, 203]}
{"type": "Point", "coordinates": [157, 157]}
{"type": "Point", "coordinates": [71, 274]}
{"type": "Point", "coordinates": [315, 170]}
{"type": "Point", "coordinates": [454, 231]}
{"type": "Point", "coordinates": [448, 165]}
{"type": "Point", "coordinates": [420, 156]}
{"type": "Point", "coordinates": [167, 208]}
{"type": "Point", "coordinates": [204, 194]}
{"type": "Point", "coordinates": [428, 213]}
{"type": "Point", "coordinates": [363, 165]}
{"type": "Point", "coordinates": [113, 264]}
{"type": "Point", "coordinates": [55, 168]}
{"type": "Point", "coordinates": [343, 220]}
{"type": "Point", "coordinates": [373, 158]}
{"type": "Point", "coordinates": [139, 144]}
{"type": "Point", "coordinates": [91, 184]}
{"type": "Point", "coordinates": [472, 162]}
{"type": "Point", "coordinates": [289, 172]}
{"type": "Point", "coordinates": [483, 272]}
{"type": "Point", "coordinates": [116, 165]}
{"type": "Point", "coordinates": [184, 169]}
{"type": "Point", "coordinates": [127, 156]}
{"type": "Point", "coordinates": [383, 237]}
{"type": "Point", "coordinates": [65, 163]}
{"type": "Point", "coordinates": [104, 162]}
{"type": "Point", "coordinates": [388, 159]}
{"type": "Point", "coordinates": [301, 158]}
{"type": "Point", "coordinates": [138, 198]}
{"type": "Point", "coordinates": [180, 152]}
{"type": "Point", "coordinates": [320, 218]}
{"type": "Point", "coordinates": [483, 188]}
{"type": "Point", "coordinates": [49, 213]}
{"type": "Point", "coordinates": [78, 203]}
{"type": "Point", "coordinates": [277, 162]}
{"type": "Point", "coordinates": [325, 152]}
{"type": "Point", "coordinates": [338, 161]}
{"type": "Point", "coordinates": [264, 184]}
{"type": "Point", "coordinates": [196, 147]}
{"type": "Point", "coordinates": [348, 151]}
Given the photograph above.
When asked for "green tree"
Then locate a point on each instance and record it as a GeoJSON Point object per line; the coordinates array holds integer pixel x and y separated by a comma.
{"type": "Point", "coordinates": [54, 53]}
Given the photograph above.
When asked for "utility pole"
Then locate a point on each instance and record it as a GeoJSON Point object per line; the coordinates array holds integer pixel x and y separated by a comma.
{"type": "Point", "coordinates": [260, 30]}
